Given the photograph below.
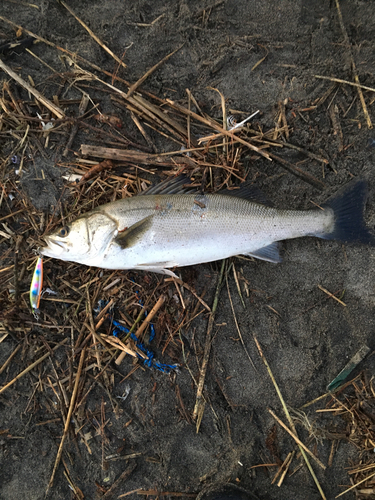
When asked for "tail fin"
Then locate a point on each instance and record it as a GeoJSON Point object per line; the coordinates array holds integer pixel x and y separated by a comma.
{"type": "Point", "coordinates": [348, 206]}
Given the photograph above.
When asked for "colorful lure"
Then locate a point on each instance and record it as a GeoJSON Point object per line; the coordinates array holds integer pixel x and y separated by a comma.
{"type": "Point", "coordinates": [36, 286]}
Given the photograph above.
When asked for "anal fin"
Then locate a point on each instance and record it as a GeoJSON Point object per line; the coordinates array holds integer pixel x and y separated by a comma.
{"type": "Point", "coordinates": [161, 270]}
{"type": "Point", "coordinates": [270, 253]}
{"type": "Point", "coordinates": [158, 267]}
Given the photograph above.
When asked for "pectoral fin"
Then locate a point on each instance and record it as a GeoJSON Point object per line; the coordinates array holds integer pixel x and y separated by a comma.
{"type": "Point", "coordinates": [133, 234]}
{"type": "Point", "coordinates": [269, 253]}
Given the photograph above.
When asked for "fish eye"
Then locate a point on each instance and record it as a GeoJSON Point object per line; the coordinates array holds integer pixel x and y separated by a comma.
{"type": "Point", "coordinates": [64, 231]}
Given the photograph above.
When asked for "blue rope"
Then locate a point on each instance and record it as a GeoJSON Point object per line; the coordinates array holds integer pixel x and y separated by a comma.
{"type": "Point", "coordinates": [150, 362]}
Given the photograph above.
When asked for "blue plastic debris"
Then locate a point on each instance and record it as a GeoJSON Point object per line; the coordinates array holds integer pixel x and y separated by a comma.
{"type": "Point", "coordinates": [150, 362]}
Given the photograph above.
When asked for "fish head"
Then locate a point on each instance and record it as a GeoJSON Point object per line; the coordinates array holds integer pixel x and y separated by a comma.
{"type": "Point", "coordinates": [83, 240]}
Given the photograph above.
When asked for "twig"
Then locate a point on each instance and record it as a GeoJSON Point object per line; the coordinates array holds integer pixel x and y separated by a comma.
{"type": "Point", "coordinates": [298, 172]}
{"type": "Point", "coordinates": [81, 111]}
{"type": "Point", "coordinates": [150, 315]}
{"type": "Point", "coordinates": [354, 68]}
{"type": "Point", "coordinates": [214, 125]}
{"type": "Point", "coordinates": [69, 416]}
{"type": "Point", "coordinates": [26, 4]}
{"type": "Point", "coordinates": [33, 365]}
{"type": "Point", "coordinates": [283, 468]}
{"type": "Point", "coordinates": [47, 103]}
{"type": "Point", "coordinates": [238, 328]}
{"type": "Point", "coordinates": [302, 150]}
{"type": "Point", "coordinates": [191, 290]}
{"type": "Point", "coordinates": [116, 342]}
{"type": "Point", "coordinates": [224, 112]}
{"type": "Point", "coordinates": [92, 34]}
{"type": "Point", "coordinates": [135, 85]}
{"type": "Point", "coordinates": [91, 327]}
{"type": "Point", "coordinates": [74, 56]}
{"type": "Point", "coordinates": [103, 312]}
{"type": "Point", "coordinates": [123, 354]}
{"type": "Point", "coordinates": [337, 130]}
{"type": "Point", "coordinates": [123, 477]}
{"type": "Point", "coordinates": [238, 285]}
{"type": "Point", "coordinates": [355, 485]}
{"type": "Point", "coordinates": [199, 402]}
{"type": "Point", "coordinates": [296, 439]}
{"type": "Point", "coordinates": [289, 417]}
{"type": "Point", "coordinates": [134, 157]}
{"type": "Point", "coordinates": [347, 82]}
{"type": "Point", "coordinates": [144, 325]}
{"type": "Point", "coordinates": [286, 468]}
{"type": "Point", "coordinates": [3, 367]}
{"type": "Point", "coordinates": [331, 295]}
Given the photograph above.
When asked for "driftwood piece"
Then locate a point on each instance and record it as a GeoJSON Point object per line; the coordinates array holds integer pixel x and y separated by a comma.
{"type": "Point", "coordinates": [135, 157]}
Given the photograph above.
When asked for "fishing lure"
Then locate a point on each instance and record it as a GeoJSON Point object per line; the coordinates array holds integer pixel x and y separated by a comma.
{"type": "Point", "coordinates": [36, 287]}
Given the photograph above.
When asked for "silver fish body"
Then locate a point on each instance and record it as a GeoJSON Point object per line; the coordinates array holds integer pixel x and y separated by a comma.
{"type": "Point", "coordinates": [158, 232]}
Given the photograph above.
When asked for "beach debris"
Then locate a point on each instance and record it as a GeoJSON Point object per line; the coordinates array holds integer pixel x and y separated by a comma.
{"type": "Point", "coordinates": [292, 429]}
{"type": "Point", "coordinates": [146, 355]}
{"type": "Point", "coordinates": [200, 401]}
{"type": "Point", "coordinates": [110, 119]}
{"type": "Point", "coordinates": [96, 169]}
{"type": "Point", "coordinates": [226, 492]}
{"type": "Point", "coordinates": [46, 125]}
{"type": "Point", "coordinates": [233, 125]}
{"type": "Point", "coordinates": [338, 381]}
{"type": "Point", "coordinates": [139, 350]}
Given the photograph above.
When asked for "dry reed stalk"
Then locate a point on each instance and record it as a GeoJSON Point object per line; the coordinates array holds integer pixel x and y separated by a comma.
{"type": "Point", "coordinates": [354, 68]}
{"type": "Point", "coordinates": [150, 316]}
{"type": "Point", "coordinates": [331, 295]}
{"type": "Point", "coordinates": [144, 325]}
{"type": "Point", "coordinates": [286, 411]}
{"type": "Point", "coordinates": [92, 34]}
{"type": "Point", "coordinates": [68, 418]}
{"type": "Point", "coordinates": [297, 440]}
{"type": "Point", "coordinates": [139, 82]}
{"type": "Point", "coordinates": [347, 82]}
{"type": "Point", "coordinates": [33, 365]}
{"type": "Point", "coordinates": [46, 102]}
{"type": "Point", "coordinates": [211, 123]}
{"type": "Point", "coordinates": [199, 402]}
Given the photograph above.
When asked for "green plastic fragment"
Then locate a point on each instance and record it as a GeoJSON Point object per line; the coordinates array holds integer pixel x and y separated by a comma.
{"type": "Point", "coordinates": [349, 367]}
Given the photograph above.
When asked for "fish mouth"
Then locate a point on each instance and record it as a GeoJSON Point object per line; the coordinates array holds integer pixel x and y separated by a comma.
{"type": "Point", "coordinates": [53, 249]}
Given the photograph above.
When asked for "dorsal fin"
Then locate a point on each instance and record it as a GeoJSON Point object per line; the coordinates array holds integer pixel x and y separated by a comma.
{"type": "Point", "coordinates": [177, 185]}
{"type": "Point", "coordinates": [248, 192]}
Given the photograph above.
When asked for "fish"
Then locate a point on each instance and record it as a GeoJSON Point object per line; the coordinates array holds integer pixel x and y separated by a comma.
{"type": "Point", "coordinates": [170, 227]}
